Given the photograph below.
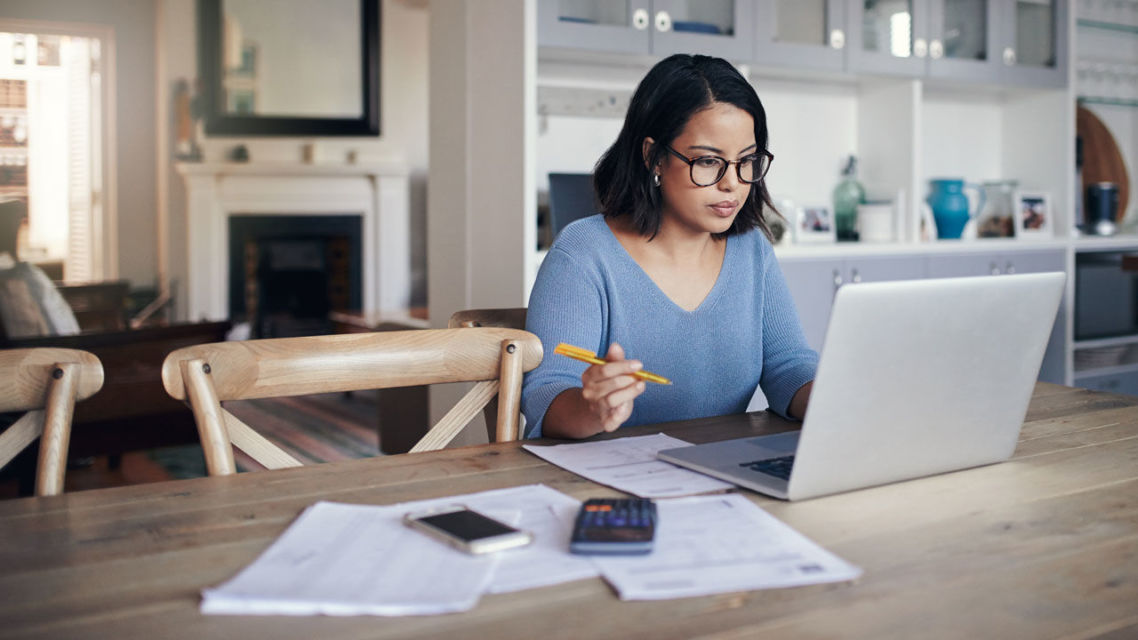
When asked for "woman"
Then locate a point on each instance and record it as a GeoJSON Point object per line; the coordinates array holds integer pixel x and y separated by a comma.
{"type": "Point", "coordinates": [677, 272]}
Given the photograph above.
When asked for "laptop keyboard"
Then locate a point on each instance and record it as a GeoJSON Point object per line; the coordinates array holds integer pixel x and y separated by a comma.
{"type": "Point", "coordinates": [777, 467]}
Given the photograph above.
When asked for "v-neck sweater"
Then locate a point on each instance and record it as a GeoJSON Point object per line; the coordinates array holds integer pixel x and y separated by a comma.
{"type": "Point", "coordinates": [590, 293]}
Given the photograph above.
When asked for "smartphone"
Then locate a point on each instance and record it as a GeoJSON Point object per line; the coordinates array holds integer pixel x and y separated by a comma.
{"type": "Point", "coordinates": [467, 530]}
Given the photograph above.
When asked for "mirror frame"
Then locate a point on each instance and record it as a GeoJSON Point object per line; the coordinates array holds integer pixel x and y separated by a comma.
{"type": "Point", "coordinates": [219, 122]}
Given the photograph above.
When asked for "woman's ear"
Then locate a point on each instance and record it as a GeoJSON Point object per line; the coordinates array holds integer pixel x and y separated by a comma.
{"type": "Point", "coordinates": [646, 151]}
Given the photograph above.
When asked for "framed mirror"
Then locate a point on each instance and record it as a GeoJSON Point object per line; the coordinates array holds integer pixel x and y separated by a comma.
{"type": "Point", "coordinates": [289, 67]}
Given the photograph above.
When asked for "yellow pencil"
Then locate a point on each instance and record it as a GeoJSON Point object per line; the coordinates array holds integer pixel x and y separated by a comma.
{"type": "Point", "coordinates": [584, 355]}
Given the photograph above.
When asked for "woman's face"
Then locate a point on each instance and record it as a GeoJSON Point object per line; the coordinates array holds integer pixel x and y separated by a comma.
{"type": "Point", "coordinates": [722, 130]}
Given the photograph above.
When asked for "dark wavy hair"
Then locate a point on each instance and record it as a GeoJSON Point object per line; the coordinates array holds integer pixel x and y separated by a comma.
{"type": "Point", "coordinates": [675, 89]}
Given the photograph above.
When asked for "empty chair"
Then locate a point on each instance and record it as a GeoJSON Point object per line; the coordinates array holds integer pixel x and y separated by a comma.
{"type": "Point", "coordinates": [206, 375]}
{"type": "Point", "coordinates": [45, 382]}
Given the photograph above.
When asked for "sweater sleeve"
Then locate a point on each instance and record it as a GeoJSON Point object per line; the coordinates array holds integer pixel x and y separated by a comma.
{"type": "Point", "coordinates": [566, 304]}
{"type": "Point", "coordinates": [788, 362]}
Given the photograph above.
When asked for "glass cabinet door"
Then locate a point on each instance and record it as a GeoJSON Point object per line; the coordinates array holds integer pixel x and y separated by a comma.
{"type": "Point", "coordinates": [1035, 42]}
{"type": "Point", "coordinates": [888, 36]}
{"type": "Point", "coordinates": [963, 40]}
{"type": "Point", "coordinates": [712, 27]}
{"type": "Point", "coordinates": [618, 26]}
{"type": "Point", "coordinates": [800, 33]}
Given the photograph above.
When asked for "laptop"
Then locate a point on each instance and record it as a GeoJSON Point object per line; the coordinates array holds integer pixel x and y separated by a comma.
{"type": "Point", "coordinates": [915, 378]}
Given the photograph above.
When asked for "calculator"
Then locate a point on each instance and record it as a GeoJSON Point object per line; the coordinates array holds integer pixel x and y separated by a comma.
{"type": "Point", "coordinates": [614, 526]}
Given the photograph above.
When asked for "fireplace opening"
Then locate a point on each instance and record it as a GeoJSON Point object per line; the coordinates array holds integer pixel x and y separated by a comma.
{"type": "Point", "coordinates": [286, 273]}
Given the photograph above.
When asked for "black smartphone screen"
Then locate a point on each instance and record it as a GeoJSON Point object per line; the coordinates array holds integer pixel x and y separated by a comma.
{"type": "Point", "coordinates": [467, 525]}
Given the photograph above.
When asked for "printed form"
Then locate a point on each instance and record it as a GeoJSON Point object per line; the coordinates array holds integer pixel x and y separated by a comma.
{"type": "Point", "coordinates": [630, 465]}
{"type": "Point", "coordinates": [720, 544]}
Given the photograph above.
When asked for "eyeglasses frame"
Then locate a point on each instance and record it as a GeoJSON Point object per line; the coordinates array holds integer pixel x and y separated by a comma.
{"type": "Point", "coordinates": [726, 164]}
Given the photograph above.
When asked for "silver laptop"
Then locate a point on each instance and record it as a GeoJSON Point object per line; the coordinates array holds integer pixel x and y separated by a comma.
{"type": "Point", "coordinates": [916, 378]}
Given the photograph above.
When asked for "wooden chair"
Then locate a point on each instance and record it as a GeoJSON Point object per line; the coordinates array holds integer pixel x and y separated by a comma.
{"type": "Point", "coordinates": [46, 383]}
{"type": "Point", "coordinates": [206, 375]}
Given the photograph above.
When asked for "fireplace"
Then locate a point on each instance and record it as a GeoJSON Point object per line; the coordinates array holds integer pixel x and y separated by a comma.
{"type": "Point", "coordinates": [375, 194]}
{"type": "Point", "coordinates": [286, 273]}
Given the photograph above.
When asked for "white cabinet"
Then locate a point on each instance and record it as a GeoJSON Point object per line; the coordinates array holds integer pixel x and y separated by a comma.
{"type": "Point", "coordinates": [714, 27]}
{"type": "Point", "coordinates": [813, 283]}
{"type": "Point", "coordinates": [805, 34]}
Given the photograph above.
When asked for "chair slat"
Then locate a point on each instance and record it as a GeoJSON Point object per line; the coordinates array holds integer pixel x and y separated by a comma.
{"type": "Point", "coordinates": [27, 374]}
{"type": "Point", "coordinates": [458, 417]}
{"type": "Point", "coordinates": [509, 398]}
{"type": "Point", "coordinates": [207, 410]}
{"type": "Point", "coordinates": [255, 445]}
{"type": "Point", "coordinates": [20, 434]}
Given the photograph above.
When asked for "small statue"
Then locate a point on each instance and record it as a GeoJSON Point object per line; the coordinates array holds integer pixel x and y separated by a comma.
{"type": "Point", "coordinates": [185, 141]}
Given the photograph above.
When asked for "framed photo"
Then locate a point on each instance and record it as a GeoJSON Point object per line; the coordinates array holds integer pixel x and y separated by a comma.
{"type": "Point", "coordinates": [1033, 214]}
{"type": "Point", "coordinates": [814, 223]}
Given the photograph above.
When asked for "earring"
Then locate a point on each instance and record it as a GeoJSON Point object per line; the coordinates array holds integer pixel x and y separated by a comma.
{"type": "Point", "coordinates": [656, 179]}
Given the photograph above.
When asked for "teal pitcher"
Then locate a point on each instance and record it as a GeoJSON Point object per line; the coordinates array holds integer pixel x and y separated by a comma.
{"type": "Point", "coordinates": [950, 206]}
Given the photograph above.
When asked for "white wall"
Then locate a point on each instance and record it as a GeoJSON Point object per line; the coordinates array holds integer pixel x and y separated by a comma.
{"type": "Point", "coordinates": [136, 131]}
{"type": "Point", "coordinates": [403, 122]}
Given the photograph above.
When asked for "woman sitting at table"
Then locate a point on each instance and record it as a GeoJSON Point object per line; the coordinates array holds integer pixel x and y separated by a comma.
{"type": "Point", "coordinates": [676, 272]}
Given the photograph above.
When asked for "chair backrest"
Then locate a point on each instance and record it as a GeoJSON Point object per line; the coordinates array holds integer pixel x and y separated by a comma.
{"type": "Point", "coordinates": [45, 382]}
{"type": "Point", "coordinates": [206, 375]}
{"type": "Point", "coordinates": [505, 318]}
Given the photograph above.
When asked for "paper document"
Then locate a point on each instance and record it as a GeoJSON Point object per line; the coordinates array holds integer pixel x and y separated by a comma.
{"type": "Point", "coordinates": [718, 544]}
{"type": "Point", "coordinates": [630, 464]}
{"type": "Point", "coordinates": [343, 559]}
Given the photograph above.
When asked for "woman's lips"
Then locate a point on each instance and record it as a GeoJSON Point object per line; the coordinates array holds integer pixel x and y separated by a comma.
{"type": "Point", "coordinates": [725, 208]}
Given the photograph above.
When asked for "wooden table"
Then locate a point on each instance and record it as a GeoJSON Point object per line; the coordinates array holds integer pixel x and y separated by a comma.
{"type": "Point", "coordinates": [1043, 546]}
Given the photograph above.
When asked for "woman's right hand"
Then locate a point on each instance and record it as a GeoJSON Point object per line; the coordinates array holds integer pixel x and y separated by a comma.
{"type": "Point", "coordinates": [609, 389]}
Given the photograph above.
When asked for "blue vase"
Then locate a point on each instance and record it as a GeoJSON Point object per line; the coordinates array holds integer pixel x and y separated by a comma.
{"type": "Point", "coordinates": [950, 207]}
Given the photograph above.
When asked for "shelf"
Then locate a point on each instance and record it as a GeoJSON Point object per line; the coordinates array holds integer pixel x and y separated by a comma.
{"type": "Point", "coordinates": [1104, 342]}
{"type": "Point", "coordinates": [1108, 26]}
{"type": "Point", "coordinates": [1116, 102]}
{"type": "Point", "coordinates": [1117, 369]}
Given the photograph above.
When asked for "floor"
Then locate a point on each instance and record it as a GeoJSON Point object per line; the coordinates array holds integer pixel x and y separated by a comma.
{"type": "Point", "coordinates": [317, 428]}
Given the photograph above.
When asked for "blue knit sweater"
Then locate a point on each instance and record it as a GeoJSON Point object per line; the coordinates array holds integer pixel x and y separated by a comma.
{"type": "Point", "coordinates": [590, 293]}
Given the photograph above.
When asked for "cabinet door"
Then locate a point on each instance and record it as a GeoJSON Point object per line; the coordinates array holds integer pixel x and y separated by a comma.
{"type": "Point", "coordinates": [812, 284]}
{"type": "Point", "coordinates": [1034, 42]}
{"type": "Point", "coordinates": [722, 28]}
{"type": "Point", "coordinates": [1040, 261]}
{"type": "Point", "coordinates": [887, 36]}
{"type": "Point", "coordinates": [617, 26]}
{"type": "Point", "coordinates": [884, 269]}
{"type": "Point", "coordinates": [808, 34]}
{"type": "Point", "coordinates": [964, 40]}
{"type": "Point", "coordinates": [959, 266]}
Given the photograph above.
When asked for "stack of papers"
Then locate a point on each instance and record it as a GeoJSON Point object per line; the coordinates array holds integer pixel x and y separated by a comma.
{"type": "Point", "coordinates": [630, 465]}
{"type": "Point", "coordinates": [343, 559]}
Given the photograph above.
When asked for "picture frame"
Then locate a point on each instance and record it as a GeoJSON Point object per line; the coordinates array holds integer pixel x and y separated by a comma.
{"type": "Point", "coordinates": [814, 224]}
{"type": "Point", "coordinates": [1033, 215]}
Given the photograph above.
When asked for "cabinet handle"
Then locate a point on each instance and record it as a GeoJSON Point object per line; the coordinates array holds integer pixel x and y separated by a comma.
{"type": "Point", "coordinates": [837, 279]}
{"type": "Point", "coordinates": [920, 47]}
{"type": "Point", "coordinates": [640, 19]}
{"type": "Point", "coordinates": [663, 21]}
{"type": "Point", "coordinates": [856, 277]}
{"type": "Point", "coordinates": [936, 50]}
{"type": "Point", "coordinates": [1009, 268]}
{"type": "Point", "coordinates": [995, 269]}
{"type": "Point", "coordinates": [1009, 56]}
{"type": "Point", "coordinates": [837, 39]}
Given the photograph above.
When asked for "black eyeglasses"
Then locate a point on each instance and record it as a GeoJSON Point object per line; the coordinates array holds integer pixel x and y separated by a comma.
{"type": "Point", "coordinates": [708, 170]}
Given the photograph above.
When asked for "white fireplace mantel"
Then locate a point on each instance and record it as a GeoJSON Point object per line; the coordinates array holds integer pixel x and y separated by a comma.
{"type": "Point", "coordinates": [377, 192]}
